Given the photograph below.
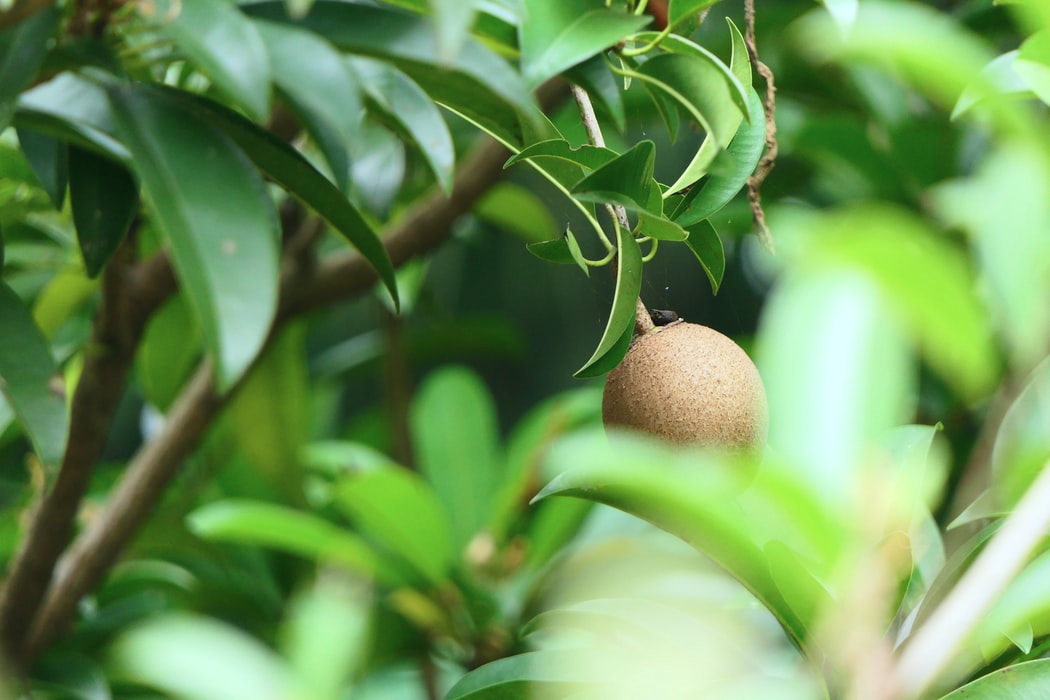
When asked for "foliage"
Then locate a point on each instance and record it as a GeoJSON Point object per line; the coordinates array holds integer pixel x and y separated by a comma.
{"type": "Point", "coordinates": [213, 488]}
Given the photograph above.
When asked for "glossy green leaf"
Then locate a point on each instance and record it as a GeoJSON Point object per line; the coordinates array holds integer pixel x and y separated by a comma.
{"type": "Point", "coordinates": [707, 247]}
{"type": "Point", "coordinates": [517, 677]}
{"type": "Point", "coordinates": [214, 211]}
{"type": "Point", "coordinates": [49, 159]}
{"type": "Point", "coordinates": [104, 198]}
{"type": "Point", "coordinates": [1022, 443]}
{"type": "Point", "coordinates": [586, 156]}
{"type": "Point", "coordinates": [728, 172]}
{"type": "Point", "coordinates": [290, 170]}
{"type": "Point", "coordinates": [477, 82]}
{"type": "Point", "coordinates": [660, 228]}
{"type": "Point", "coordinates": [626, 180]}
{"type": "Point", "coordinates": [456, 441]}
{"type": "Point", "coordinates": [606, 92]}
{"type": "Point", "coordinates": [378, 169]}
{"type": "Point", "coordinates": [284, 529]}
{"type": "Point", "coordinates": [624, 305]}
{"type": "Point", "coordinates": [452, 23]}
{"type": "Point", "coordinates": [558, 35]}
{"type": "Point", "coordinates": [397, 509]}
{"type": "Point", "coordinates": [404, 102]}
{"type": "Point", "coordinates": [72, 108]}
{"type": "Point", "coordinates": [689, 493]}
{"type": "Point", "coordinates": [1023, 681]}
{"type": "Point", "coordinates": [22, 50]}
{"type": "Point", "coordinates": [26, 373]}
{"type": "Point", "coordinates": [517, 210]}
{"type": "Point", "coordinates": [223, 43]}
{"type": "Point", "coordinates": [187, 656]}
{"type": "Point", "coordinates": [556, 250]}
{"type": "Point", "coordinates": [313, 74]}
{"type": "Point", "coordinates": [1033, 64]}
{"type": "Point", "coordinates": [680, 10]}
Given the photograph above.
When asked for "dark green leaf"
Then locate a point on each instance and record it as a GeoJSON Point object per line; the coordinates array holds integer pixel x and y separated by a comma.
{"type": "Point", "coordinates": [22, 50]}
{"type": "Point", "coordinates": [707, 247]}
{"type": "Point", "coordinates": [476, 83]}
{"type": "Point", "coordinates": [554, 251]}
{"type": "Point", "coordinates": [290, 170]}
{"type": "Point", "coordinates": [215, 212]}
{"type": "Point", "coordinates": [72, 108]}
{"type": "Point", "coordinates": [558, 35]}
{"type": "Point", "coordinates": [301, 533]}
{"type": "Point", "coordinates": [1024, 681]}
{"type": "Point", "coordinates": [195, 657]}
{"type": "Point", "coordinates": [625, 301]}
{"type": "Point", "coordinates": [660, 228]}
{"type": "Point", "coordinates": [586, 156]}
{"type": "Point", "coordinates": [224, 43]}
{"type": "Point", "coordinates": [594, 76]}
{"type": "Point", "coordinates": [517, 678]}
{"type": "Point", "coordinates": [409, 107]}
{"type": "Point", "coordinates": [26, 373]}
{"type": "Point", "coordinates": [104, 199]}
{"type": "Point", "coordinates": [626, 180]}
{"type": "Point", "coordinates": [456, 440]}
{"type": "Point", "coordinates": [397, 509]}
{"type": "Point", "coordinates": [728, 173]}
{"type": "Point", "coordinates": [49, 159]}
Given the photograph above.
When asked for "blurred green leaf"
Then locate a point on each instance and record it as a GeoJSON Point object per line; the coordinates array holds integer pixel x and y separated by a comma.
{"type": "Point", "coordinates": [294, 173]}
{"type": "Point", "coordinates": [586, 156]}
{"type": "Point", "coordinates": [517, 677]}
{"type": "Point", "coordinates": [409, 107]}
{"type": "Point", "coordinates": [477, 82]}
{"type": "Point", "coordinates": [1023, 607]}
{"type": "Point", "coordinates": [284, 529]}
{"type": "Point", "coordinates": [624, 306]}
{"type": "Point", "coordinates": [378, 168]}
{"type": "Point", "coordinates": [1022, 444]}
{"type": "Point", "coordinates": [703, 240]}
{"type": "Point", "coordinates": [22, 50]}
{"type": "Point", "coordinates": [517, 210]}
{"type": "Point", "coordinates": [72, 108]}
{"type": "Point", "coordinates": [168, 352]}
{"type": "Point", "coordinates": [223, 43]}
{"type": "Point", "coordinates": [558, 35]}
{"type": "Point", "coordinates": [1022, 681]}
{"type": "Point", "coordinates": [49, 159]}
{"type": "Point", "coordinates": [397, 509]}
{"type": "Point", "coordinates": [26, 374]}
{"type": "Point", "coordinates": [1033, 64]}
{"type": "Point", "coordinates": [453, 20]}
{"type": "Point", "coordinates": [104, 199]}
{"type": "Point", "coordinates": [679, 10]}
{"type": "Point", "coordinates": [194, 658]}
{"type": "Point", "coordinates": [728, 173]}
{"type": "Point", "coordinates": [455, 435]}
{"type": "Point", "coordinates": [216, 214]}
{"type": "Point", "coordinates": [1000, 74]}
{"type": "Point", "coordinates": [844, 12]}
{"type": "Point", "coordinates": [627, 180]}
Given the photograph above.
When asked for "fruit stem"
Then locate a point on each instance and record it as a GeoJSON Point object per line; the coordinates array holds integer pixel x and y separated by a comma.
{"type": "Point", "coordinates": [643, 323]}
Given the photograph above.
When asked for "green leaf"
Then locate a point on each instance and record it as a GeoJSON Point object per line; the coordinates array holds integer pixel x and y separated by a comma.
{"type": "Point", "coordinates": [707, 247]}
{"type": "Point", "coordinates": [168, 353]}
{"type": "Point", "coordinates": [624, 305]}
{"type": "Point", "coordinates": [844, 12]}
{"type": "Point", "coordinates": [558, 35]}
{"type": "Point", "coordinates": [626, 180]}
{"type": "Point", "coordinates": [104, 199]}
{"type": "Point", "coordinates": [72, 108]}
{"type": "Point", "coordinates": [49, 159]}
{"type": "Point", "coordinates": [557, 250]}
{"type": "Point", "coordinates": [290, 170]}
{"type": "Point", "coordinates": [453, 20]}
{"type": "Point", "coordinates": [314, 75]}
{"type": "Point", "coordinates": [284, 529]}
{"type": "Point", "coordinates": [1021, 446]}
{"type": "Point", "coordinates": [22, 50]}
{"type": "Point", "coordinates": [1033, 64]}
{"type": "Point", "coordinates": [1000, 76]}
{"type": "Point", "coordinates": [586, 156]}
{"type": "Point", "coordinates": [404, 102]}
{"type": "Point", "coordinates": [217, 216]}
{"type": "Point", "coordinates": [690, 493]}
{"type": "Point", "coordinates": [397, 509]}
{"type": "Point", "coordinates": [187, 656]}
{"type": "Point", "coordinates": [1022, 681]}
{"type": "Point", "coordinates": [26, 373]}
{"type": "Point", "coordinates": [477, 82]}
{"type": "Point", "coordinates": [679, 10]}
{"type": "Point", "coordinates": [660, 228]}
{"type": "Point", "coordinates": [223, 43]}
{"type": "Point", "coordinates": [456, 442]}
{"type": "Point", "coordinates": [517, 210]}
{"type": "Point", "coordinates": [517, 678]}
{"type": "Point", "coordinates": [1024, 607]}
{"type": "Point", "coordinates": [728, 172]}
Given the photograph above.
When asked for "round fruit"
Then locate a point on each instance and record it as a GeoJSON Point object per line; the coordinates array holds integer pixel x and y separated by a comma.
{"type": "Point", "coordinates": [689, 384]}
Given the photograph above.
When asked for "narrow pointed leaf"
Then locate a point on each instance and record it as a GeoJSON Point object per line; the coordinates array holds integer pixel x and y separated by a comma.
{"type": "Point", "coordinates": [707, 247]}
{"type": "Point", "coordinates": [74, 109]}
{"type": "Point", "coordinates": [215, 213]}
{"type": "Point", "coordinates": [22, 50]}
{"type": "Point", "coordinates": [626, 180]}
{"type": "Point", "coordinates": [586, 156]}
{"type": "Point", "coordinates": [49, 159]}
{"type": "Point", "coordinates": [224, 43]}
{"type": "Point", "coordinates": [625, 300]}
{"type": "Point", "coordinates": [26, 372]}
{"type": "Point", "coordinates": [104, 198]}
{"type": "Point", "coordinates": [517, 677]}
{"type": "Point", "coordinates": [1027, 680]}
{"type": "Point", "coordinates": [660, 228]}
{"type": "Point", "coordinates": [554, 251]}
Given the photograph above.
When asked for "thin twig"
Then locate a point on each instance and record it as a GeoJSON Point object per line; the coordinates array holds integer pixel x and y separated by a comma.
{"type": "Point", "coordinates": [765, 165]}
{"type": "Point", "coordinates": [930, 650]}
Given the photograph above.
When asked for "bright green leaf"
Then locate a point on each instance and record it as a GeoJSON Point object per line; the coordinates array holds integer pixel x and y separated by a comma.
{"type": "Point", "coordinates": [586, 156]}
{"type": "Point", "coordinates": [624, 305]}
{"type": "Point", "coordinates": [22, 50]}
{"type": "Point", "coordinates": [558, 35]}
{"type": "Point", "coordinates": [1033, 64]}
{"type": "Point", "coordinates": [516, 678]}
{"type": "Point", "coordinates": [1022, 681]}
{"type": "Point", "coordinates": [517, 210]}
{"type": "Point", "coordinates": [556, 250]}
{"type": "Point", "coordinates": [626, 180]}
{"type": "Point", "coordinates": [1000, 75]}
{"type": "Point", "coordinates": [456, 441]}
{"type": "Point", "coordinates": [707, 247]}
{"type": "Point", "coordinates": [844, 12]}
{"type": "Point", "coordinates": [223, 43]}
{"type": "Point", "coordinates": [104, 199]}
{"type": "Point", "coordinates": [1022, 443]}
{"type": "Point", "coordinates": [26, 373]}
{"type": "Point", "coordinates": [660, 228]}
{"type": "Point", "coordinates": [680, 10]}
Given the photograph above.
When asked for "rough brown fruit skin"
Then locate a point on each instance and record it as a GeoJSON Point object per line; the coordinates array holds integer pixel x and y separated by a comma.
{"type": "Point", "coordinates": [689, 384]}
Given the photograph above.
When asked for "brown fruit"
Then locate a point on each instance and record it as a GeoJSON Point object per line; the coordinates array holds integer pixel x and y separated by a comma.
{"type": "Point", "coordinates": [689, 384]}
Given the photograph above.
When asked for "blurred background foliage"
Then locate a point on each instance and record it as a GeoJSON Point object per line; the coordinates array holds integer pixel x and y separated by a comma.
{"type": "Point", "coordinates": [361, 521]}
